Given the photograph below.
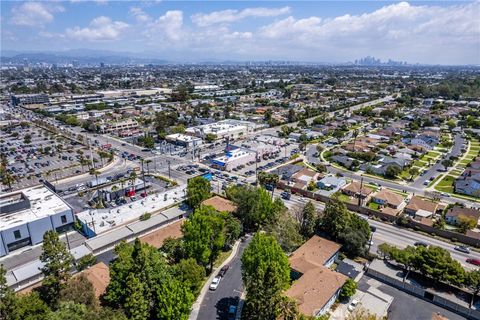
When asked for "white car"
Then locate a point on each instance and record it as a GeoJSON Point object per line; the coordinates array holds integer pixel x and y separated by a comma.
{"type": "Point", "coordinates": [353, 305]}
{"type": "Point", "coordinates": [215, 282]}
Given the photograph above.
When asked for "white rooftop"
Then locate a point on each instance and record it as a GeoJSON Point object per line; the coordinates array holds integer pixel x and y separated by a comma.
{"type": "Point", "coordinates": [105, 219]}
{"type": "Point", "coordinates": [43, 203]}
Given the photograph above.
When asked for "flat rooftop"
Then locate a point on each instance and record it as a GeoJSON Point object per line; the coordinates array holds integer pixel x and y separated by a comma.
{"type": "Point", "coordinates": [106, 219]}
{"type": "Point", "coordinates": [43, 203]}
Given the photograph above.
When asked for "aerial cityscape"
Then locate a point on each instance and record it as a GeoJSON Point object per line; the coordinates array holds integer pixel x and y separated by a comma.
{"type": "Point", "coordinates": [254, 160]}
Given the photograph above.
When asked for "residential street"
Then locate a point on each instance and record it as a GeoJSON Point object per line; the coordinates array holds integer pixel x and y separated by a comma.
{"type": "Point", "coordinates": [394, 235]}
{"type": "Point", "coordinates": [434, 170]}
{"type": "Point", "coordinates": [215, 304]}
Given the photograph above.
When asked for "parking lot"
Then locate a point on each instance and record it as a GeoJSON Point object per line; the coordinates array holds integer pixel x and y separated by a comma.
{"type": "Point", "coordinates": [33, 154]}
{"type": "Point", "coordinates": [80, 195]}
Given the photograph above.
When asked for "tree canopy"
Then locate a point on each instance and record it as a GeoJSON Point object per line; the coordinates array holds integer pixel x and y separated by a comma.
{"type": "Point", "coordinates": [198, 190]}
{"type": "Point", "coordinates": [265, 274]}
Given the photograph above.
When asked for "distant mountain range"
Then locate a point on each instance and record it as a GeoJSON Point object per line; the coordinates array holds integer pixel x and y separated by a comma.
{"type": "Point", "coordinates": [81, 56]}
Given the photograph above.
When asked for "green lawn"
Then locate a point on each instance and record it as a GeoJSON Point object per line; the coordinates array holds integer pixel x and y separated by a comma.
{"type": "Point", "coordinates": [433, 181]}
{"type": "Point", "coordinates": [420, 163]}
{"type": "Point", "coordinates": [433, 154]}
{"type": "Point", "coordinates": [446, 184]}
{"type": "Point", "coordinates": [344, 197]}
{"type": "Point", "coordinates": [374, 206]}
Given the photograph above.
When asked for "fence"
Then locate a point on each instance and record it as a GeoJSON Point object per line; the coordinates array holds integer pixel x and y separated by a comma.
{"type": "Point", "coordinates": [454, 236]}
{"type": "Point", "coordinates": [425, 294]}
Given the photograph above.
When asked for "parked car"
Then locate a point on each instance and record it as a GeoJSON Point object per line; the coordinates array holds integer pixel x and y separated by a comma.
{"type": "Point", "coordinates": [232, 312]}
{"type": "Point", "coordinates": [224, 270]}
{"type": "Point", "coordinates": [285, 195]}
{"type": "Point", "coordinates": [475, 262]}
{"type": "Point", "coordinates": [463, 249]}
{"type": "Point", "coordinates": [421, 243]}
{"type": "Point", "coordinates": [215, 283]}
{"type": "Point", "coordinates": [353, 305]}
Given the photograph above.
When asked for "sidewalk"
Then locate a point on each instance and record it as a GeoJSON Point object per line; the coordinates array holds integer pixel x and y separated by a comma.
{"type": "Point", "coordinates": [203, 292]}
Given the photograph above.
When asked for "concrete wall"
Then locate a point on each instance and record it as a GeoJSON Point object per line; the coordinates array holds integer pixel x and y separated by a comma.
{"type": "Point", "coordinates": [38, 228]}
{"type": "Point", "coordinates": [385, 217]}
{"type": "Point", "coordinates": [420, 292]}
{"type": "Point", "coordinates": [3, 250]}
{"type": "Point", "coordinates": [8, 235]}
{"type": "Point", "coordinates": [57, 218]}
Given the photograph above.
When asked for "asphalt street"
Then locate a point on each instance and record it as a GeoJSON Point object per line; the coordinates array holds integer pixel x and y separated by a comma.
{"type": "Point", "coordinates": [215, 304]}
{"type": "Point", "coordinates": [458, 143]}
{"type": "Point", "coordinates": [391, 234]}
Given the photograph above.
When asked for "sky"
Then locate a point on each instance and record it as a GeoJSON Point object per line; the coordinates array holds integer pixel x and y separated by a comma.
{"type": "Point", "coordinates": [443, 32]}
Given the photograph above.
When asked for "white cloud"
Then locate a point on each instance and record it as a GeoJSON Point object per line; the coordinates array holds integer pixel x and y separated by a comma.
{"type": "Point", "coordinates": [100, 29]}
{"type": "Point", "coordinates": [139, 14]}
{"type": "Point", "coordinates": [34, 13]}
{"type": "Point", "coordinates": [400, 30]}
{"type": "Point", "coordinates": [168, 27]}
{"type": "Point", "coordinates": [228, 16]}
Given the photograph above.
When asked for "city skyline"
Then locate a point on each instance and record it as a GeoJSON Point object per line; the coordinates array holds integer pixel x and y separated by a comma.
{"type": "Point", "coordinates": [417, 32]}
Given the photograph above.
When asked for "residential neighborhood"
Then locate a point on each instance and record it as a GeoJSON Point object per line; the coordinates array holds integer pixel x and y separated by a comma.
{"type": "Point", "coordinates": [252, 160]}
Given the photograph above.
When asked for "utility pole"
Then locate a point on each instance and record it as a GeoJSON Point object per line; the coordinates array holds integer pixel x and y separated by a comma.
{"type": "Point", "coordinates": [143, 175]}
{"type": "Point", "coordinates": [169, 176]}
{"type": "Point", "coordinates": [256, 167]}
{"type": "Point", "coordinates": [360, 195]}
{"type": "Point", "coordinates": [68, 241]}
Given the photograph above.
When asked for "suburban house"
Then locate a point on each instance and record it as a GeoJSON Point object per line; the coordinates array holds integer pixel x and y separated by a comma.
{"type": "Point", "coordinates": [286, 172]}
{"type": "Point", "coordinates": [303, 177]}
{"type": "Point", "coordinates": [422, 207]}
{"type": "Point", "coordinates": [315, 287]}
{"type": "Point", "coordinates": [388, 198]}
{"type": "Point", "coordinates": [357, 190]}
{"type": "Point", "coordinates": [469, 183]}
{"type": "Point", "coordinates": [343, 160]}
{"type": "Point", "coordinates": [220, 204]}
{"type": "Point", "coordinates": [331, 183]}
{"type": "Point", "coordinates": [453, 215]}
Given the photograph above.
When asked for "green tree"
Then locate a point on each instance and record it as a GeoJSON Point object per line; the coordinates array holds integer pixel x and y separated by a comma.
{"type": "Point", "coordinates": [265, 274]}
{"type": "Point", "coordinates": [348, 289]}
{"type": "Point", "coordinates": [345, 227]}
{"type": "Point", "coordinates": [8, 299]}
{"type": "Point", "coordinates": [309, 220]}
{"type": "Point", "coordinates": [233, 229]}
{"type": "Point", "coordinates": [385, 251]}
{"type": "Point", "coordinates": [189, 273]}
{"type": "Point", "coordinates": [255, 206]}
{"type": "Point", "coordinates": [204, 236]}
{"type": "Point", "coordinates": [335, 218]}
{"type": "Point", "coordinates": [57, 262]}
{"type": "Point", "coordinates": [472, 282]}
{"type": "Point", "coordinates": [436, 263]}
{"type": "Point", "coordinates": [147, 267]}
{"type": "Point", "coordinates": [406, 257]}
{"type": "Point", "coordinates": [447, 163]}
{"type": "Point", "coordinates": [79, 290]}
{"type": "Point", "coordinates": [173, 249]}
{"type": "Point", "coordinates": [173, 300]}
{"type": "Point", "coordinates": [198, 190]}
{"type": "Point", "coordinates": [73, 311]}
{"type": "Point", "coordinates": [392, 171]}
{"type": "Point", "coordinates": [136, 305]}
{"type": "Point", "coordinates": [465, 223]}
{"type": "Point", "coordinates": [413, 171]}
{"type": "Point", "coordinates": [285, 229]}
{"type": "Point", "coordinates": [32, 307]}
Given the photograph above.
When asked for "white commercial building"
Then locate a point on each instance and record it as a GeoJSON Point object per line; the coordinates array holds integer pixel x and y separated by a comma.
{"type": "Point", "coordinates": [27, 214]}
{"type": "Point", "coordinates": [234, 158]}
{"type": "Point", "coordinates": [228, 128]}
{"type": "Point", "coordinates": [184, 140]}
{"type": "Point", "coordinates": [97, 221]}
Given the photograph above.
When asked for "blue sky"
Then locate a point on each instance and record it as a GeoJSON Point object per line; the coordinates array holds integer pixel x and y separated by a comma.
{"type": "Point", "coordinates": [445, 32]}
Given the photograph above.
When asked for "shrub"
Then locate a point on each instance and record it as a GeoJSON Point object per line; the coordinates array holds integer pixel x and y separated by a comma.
{"type": "Point", "coordinates": [145, 216]}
